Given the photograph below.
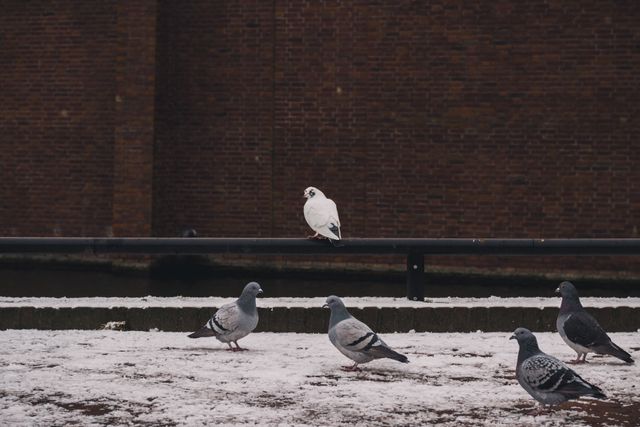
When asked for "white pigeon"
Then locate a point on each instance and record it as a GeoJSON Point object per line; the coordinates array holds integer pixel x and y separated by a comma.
{"type": "Point", "coordinates": [234, 320]}
{"type": "Point", "coordinates": [354, 339]}
{"type": "Point", "coordinates": [321, 215]}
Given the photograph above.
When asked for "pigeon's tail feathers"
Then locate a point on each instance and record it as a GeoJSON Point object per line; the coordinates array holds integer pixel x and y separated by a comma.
{"type": "Point", "coordinates": [615, 351]}
{"type": "Point", "coordinates": [202, 332]}
{"type": "Point", "coordinates": [384, 351]}
{"type": "Point", "coordinates": [335, 230]}
{"type": "Point", "coordinates": [592, 391]}
{"type": "Point", "coordinates": [579, 387]}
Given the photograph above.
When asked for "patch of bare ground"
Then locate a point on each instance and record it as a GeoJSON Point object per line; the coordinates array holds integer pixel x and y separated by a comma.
{"type": "Point", "coordinates": [591, 412]}
{"type": "Point", "coordinates": [103, 410]}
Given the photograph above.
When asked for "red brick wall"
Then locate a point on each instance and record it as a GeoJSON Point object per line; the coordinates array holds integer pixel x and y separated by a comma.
{"type": "Point", "coordinates": [432, 119]}
{"type": "Point", "coordinates": [135, 107]}
{"type": "Point", "coordinates": [214, 132]}
{"type": "Point", "coordinates": [508, 119]}
{"type": "Point", "coordinates": [420, 119]}
{"type": "Point", "coordinates": [56, 117]}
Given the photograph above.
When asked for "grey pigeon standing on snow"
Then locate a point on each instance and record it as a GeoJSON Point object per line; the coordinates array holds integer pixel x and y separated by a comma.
{"type": "Point", "coordinates": [322, 215]}
{"type": "Point", "coordinates": [581, 331]}
{"type": "Point", "coordinates": [544, 377]}
{"type": "Point", "coordinates": [234, 320]}
{"type": "Point", "coordinates": [354, 339]}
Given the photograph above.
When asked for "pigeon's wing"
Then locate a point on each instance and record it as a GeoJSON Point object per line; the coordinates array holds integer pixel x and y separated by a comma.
{"type": "Point", "coordinates": [225, 320]}
{"type": "Point", "coordinates": [332, 210]}
{"type": "Point", "coordinates": [547, 374]}
{"type": "Point", "coordinates": [353, 335]}
{"type": "Point", "coordinates": [581, 328]}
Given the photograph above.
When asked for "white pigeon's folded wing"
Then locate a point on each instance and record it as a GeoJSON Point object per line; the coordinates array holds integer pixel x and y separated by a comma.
{"type": "Point", "coordinates": [332, 211]}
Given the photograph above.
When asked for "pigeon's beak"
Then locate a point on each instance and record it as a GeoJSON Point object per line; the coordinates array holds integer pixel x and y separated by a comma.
{"type": "Point", "coordinates": [260, 291]}
{"type": "Point", "coordinates": [512, 337]}
{"type": "Point", "coordinates": [325, 306]}
{"type": "Point", "coordinates": [557, 290]}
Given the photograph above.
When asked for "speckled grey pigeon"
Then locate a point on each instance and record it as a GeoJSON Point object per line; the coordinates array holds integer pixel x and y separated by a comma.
{"type": "Point", "coordinates": [354, 339]}
{"type": "Point", "coordinates": [234, 320]}
{"type": "Point", "coordinates": [581, 331]}
{"type": "Point", "coordinates": [544, 377]}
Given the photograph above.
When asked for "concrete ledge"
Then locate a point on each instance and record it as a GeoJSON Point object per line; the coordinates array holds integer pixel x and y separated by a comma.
{"type": "Point", "coordinates": [315, 319]}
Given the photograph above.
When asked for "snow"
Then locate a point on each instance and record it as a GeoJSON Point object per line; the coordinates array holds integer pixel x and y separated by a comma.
{"type": "Point", "coordinates": [151, 301]}
{"type": "Point", "coordinates": [120, 378]}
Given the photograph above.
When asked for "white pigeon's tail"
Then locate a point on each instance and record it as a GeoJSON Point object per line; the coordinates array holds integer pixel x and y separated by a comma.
{"type": "Point", "coordinates": [335, 229]}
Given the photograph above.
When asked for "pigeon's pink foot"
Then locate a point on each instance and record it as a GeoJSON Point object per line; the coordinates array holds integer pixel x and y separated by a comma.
{"type": "Point", "coordinates": [350, 368]}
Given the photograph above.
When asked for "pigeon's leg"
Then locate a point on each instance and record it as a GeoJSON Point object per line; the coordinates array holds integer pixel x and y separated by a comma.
{"type": "Point", "coordinates": [238, 348]}
{"type": "Point", "coordinates": [584, 357]}
{"type": "Point", "coordinates": [353, 368]}
{"type": "Point", "coordinates": [578, 360]}
{"type": "Point", "coordinates": [230, 347]}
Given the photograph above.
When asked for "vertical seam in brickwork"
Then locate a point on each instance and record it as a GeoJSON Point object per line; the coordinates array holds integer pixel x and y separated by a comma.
{"type": "Point", "coordinates": [154, 113]}
{"type": "Point", "coordinates": [273, 112]}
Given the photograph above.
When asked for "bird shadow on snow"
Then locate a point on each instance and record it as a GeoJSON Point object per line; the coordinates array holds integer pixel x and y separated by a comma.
{"type": "Point", "coordinates": [383, 375]}
{"type": "Point", "coordinates": [599, 359]}
{"type": "Point", "coordinates": [221, 350]}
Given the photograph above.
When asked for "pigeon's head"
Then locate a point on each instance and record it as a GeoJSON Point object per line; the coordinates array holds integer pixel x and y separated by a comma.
{"type": "Point", "coordinates": [310, 192]}
{"type": "Point", "coordinates": [333, 302]}
{"type": "Point", "coordinates": [567, 290]}
{"type": "Point", "coordinates": [252, 289]}
{"type": "Point", "coordinates": [522, 335]}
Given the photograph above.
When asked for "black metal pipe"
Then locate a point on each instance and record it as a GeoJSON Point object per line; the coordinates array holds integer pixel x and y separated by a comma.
{"type": "Point", "coordinates": [415, 249]}
{"type": "Point", "coordinates": [161, 245]}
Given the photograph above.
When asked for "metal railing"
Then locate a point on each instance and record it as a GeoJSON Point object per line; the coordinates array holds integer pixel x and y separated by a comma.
{"type": "Point", "coordinates": [414, 249]}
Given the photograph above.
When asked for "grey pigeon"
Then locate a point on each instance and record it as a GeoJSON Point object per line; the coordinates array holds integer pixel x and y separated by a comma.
{"type": "Point", "coordinates": [234, 320]}
{"type": "Point", "coordinates": [544, 377]}
{"type": "Point", "coordinates": [354, 339]}
{"type": "Point", "coordinates": [581, 331]}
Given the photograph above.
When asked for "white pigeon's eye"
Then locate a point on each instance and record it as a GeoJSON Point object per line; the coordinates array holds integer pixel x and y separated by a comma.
{"type": "Point", "coordinates": [312, 193]}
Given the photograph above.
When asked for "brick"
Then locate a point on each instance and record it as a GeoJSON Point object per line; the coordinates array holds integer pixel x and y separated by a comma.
{"type": "Point", "coordinates": [420, 120]}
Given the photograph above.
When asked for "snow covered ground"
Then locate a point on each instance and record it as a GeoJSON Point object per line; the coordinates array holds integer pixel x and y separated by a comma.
{"type": "Point", "coordinates": [57, 378]}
